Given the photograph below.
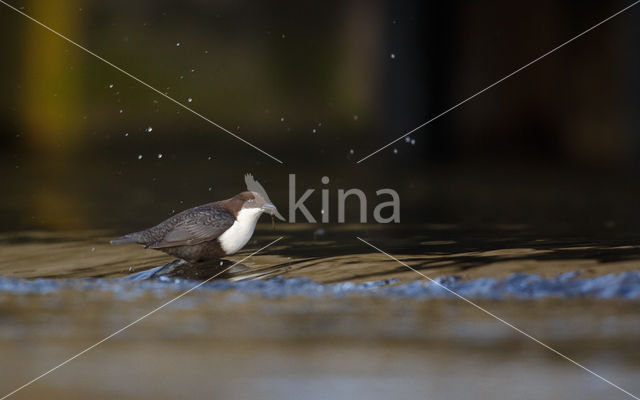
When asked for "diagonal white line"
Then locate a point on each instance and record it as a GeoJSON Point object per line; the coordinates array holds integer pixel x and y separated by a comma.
{"type": "Point", "coordinates": [501, 80]}
{"type": "Point", "coordinates": [141, 82]}
{"type": "Point", "coordinates": [133, 323]}
{"type": "Point", "coordinates": [500, 319]}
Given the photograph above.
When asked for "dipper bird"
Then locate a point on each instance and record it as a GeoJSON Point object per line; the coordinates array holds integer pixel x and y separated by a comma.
{"type": "Point", "coordinates": [206, 232]}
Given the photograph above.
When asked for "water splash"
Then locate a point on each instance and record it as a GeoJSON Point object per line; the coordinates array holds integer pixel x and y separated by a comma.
{"type": "Point", "coordinates": [625, 286]}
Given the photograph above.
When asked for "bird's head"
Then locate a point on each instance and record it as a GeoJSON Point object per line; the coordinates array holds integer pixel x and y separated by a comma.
{"type": "Point", "coordinates": [255, 202]}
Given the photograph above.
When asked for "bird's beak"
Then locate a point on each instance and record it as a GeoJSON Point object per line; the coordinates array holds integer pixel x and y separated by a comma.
{"type": "Point", "coordinates": [272, 210]}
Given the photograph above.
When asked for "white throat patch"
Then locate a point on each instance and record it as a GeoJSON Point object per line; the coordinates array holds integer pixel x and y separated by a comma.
{"type": "Point", "coordinates": [234, 238]}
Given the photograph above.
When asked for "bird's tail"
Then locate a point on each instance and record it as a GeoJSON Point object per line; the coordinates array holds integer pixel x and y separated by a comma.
{"type": "Point", "coordinates": [130, 238]}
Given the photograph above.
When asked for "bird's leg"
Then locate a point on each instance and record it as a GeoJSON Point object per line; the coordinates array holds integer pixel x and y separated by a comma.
{"type": "Point", "coordinates": [169, 268]}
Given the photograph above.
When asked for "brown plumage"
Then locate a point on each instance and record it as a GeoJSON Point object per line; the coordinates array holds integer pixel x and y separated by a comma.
{"type": "Point", "coordinates": [194, 234]}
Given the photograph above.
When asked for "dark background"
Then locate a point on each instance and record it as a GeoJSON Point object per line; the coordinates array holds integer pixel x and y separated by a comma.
{"type": "Point", "coordinates": [554, 147]}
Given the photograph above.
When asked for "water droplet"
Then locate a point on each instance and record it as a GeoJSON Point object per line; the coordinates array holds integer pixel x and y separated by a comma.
{"type": "Point", "coordinates": [193, 70]}
{"type": "Point", "coordinates": [178, 44]}
{"type": "Point", "coordinates": [322, 212]}
{"type": "Point", "coordinates": [395, 151]}
{"type": "Point", "coordinates": [413, 142]}
{"type": "Point", "coordinates": [210, 188]}
{"type": "Point", "coordinates": [407, 139]}
{"type": "Point", "coordinates": [319, 123]}
{"type": "Point", "coordinates": [130, 269]}
{"type": "Point", "coordinates": [209, 158]}
{"type": "Point", "coordinates": [93, 249]}
{"type": "Point", "coordinates": [159, 155]}
{"type": "Point", "coordinates": [121, 111]}
{"type": "Point", "coordinates": [313, 130]}
{"type": "Point", "coordinates": [126, 133]}
{"type": "Point", "coordinates": [355, 117]}
{"type": "Point", "coordinates": [139, 156]}
{"type": "Point", "coordinates": [393, 56]}
{"type": "Point", "coordinates": [281, 119]}
{"type": "Point", "coordinates": [110, 85]}
{"type": "Point", "coordinates": [149, 129]}
{"type": "Point", "coordinates": [351, 151]}
{"type": "Point", "coordinates": [283, 36]}
{"type": "Point", "coordinates": [189, 99]}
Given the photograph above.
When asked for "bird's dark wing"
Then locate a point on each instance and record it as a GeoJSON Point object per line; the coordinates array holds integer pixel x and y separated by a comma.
{"type": "Point", "coordinates": [197, 225]}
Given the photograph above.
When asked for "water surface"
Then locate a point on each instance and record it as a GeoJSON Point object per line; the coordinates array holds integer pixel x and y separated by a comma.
{"type": "Point", "coordinates": [322, 315]}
